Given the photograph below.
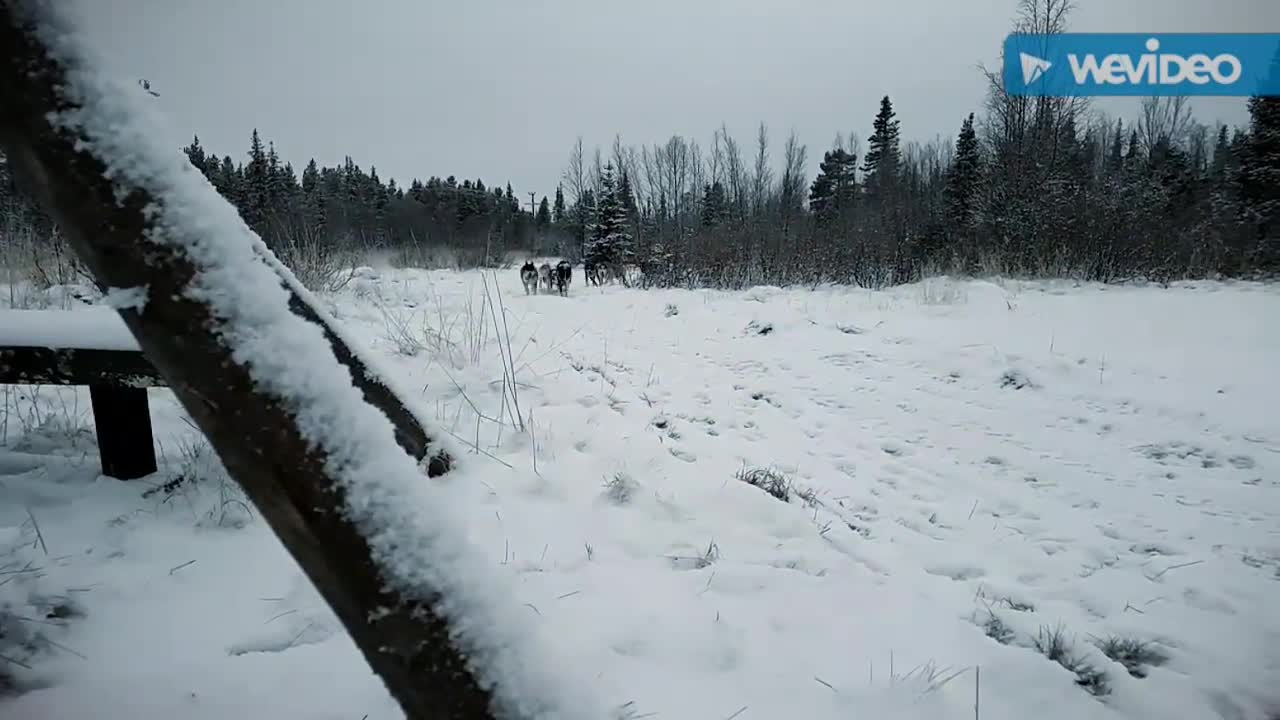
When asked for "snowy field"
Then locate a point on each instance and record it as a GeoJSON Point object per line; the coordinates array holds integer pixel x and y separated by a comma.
{"type": "Point", "coordinates": [1074, 489]}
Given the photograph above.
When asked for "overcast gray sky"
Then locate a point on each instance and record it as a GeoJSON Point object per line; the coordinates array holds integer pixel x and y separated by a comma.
{"type": "Point", "coordinates": [500, 89]}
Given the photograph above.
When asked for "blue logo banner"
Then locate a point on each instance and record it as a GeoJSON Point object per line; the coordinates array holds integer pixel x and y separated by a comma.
{"type": "Point", "coordinates": [1087, 64]}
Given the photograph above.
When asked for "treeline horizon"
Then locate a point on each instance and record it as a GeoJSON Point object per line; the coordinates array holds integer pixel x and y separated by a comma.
{"type": "Point", "coordinates": [1028, 186]}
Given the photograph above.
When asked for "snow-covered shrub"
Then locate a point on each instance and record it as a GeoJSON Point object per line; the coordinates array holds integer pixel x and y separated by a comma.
{"type": "Point", "coordinates": [319, 265]}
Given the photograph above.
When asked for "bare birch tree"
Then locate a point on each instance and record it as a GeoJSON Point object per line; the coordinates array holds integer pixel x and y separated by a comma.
{"type": "Point", "coordinates": [735, 172]}
{"type": "Point", "coordinates": [762, 174]}
{"type": "Point", "coordinates": [1164, 117]}
{"type": "Point", "coordinates": [575, 173]}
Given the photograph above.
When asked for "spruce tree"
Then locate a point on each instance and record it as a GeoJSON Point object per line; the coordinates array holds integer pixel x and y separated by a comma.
{"type": "Point", "coordinates": [1115, 151]}
{"type": "Point", "coordinates": [1228, 224]}
{"type": "Point", "coordinates": [1134, 153]}
{"type": "Point", "coordinates": [610, 242]}
{"type": "Point", "coordinates": [255, 190]}
{"type": "Point", "coordinates": [511, 200]}
{"type": "Point", "coordinates": [882, 164]}
{"type": "Point", "coordinates": [280, 183]}
{"type": "Point", "coordinates": [1260, 176]}
{"type": "Point", "coordinates": [312, 198]}
{"type": "Point", "coordinates": [627, 198]}
{"type": "Point", "coordinates": [197, 156]}
{"type": "Point", "coordinates": [375, 199]}
{"type": "Point", "coordinates": [544, 214]}
{"type": "Point", "coordinates": [714, 208]}
{"type": "Point", "coordinates": [288, 182]}
{"type": "Point", "coordinates": [310, 178]}
{"type": "Point", "coordinates": [962, 181]}
{"type": "Point", "coordinates": [584, 211]}
{"type": "Point", "coordinates": [230, 182]}
{"type": "Point", "coordinates": [886, 205]}
{"type": "Point", "coordinates": [558, 215]}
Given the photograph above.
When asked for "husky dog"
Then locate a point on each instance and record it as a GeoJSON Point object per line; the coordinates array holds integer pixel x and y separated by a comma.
{"type": "Point", "coordinates": [564, 276]}
{"type": "Point", "coordinates": [544, 277]}
{"type": "Point", "coordinates": [590, 274]}
{"type": "Point", "coordinates": [529, 277]}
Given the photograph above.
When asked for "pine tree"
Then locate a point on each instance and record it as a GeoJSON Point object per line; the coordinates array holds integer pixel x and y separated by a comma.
{"type": "Point", "coordinates": [820, 192]}
{"type": "Point", "coordinates": [835, 188]}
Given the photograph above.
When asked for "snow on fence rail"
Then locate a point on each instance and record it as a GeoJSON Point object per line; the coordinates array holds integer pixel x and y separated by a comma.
{"type": "Point", "coordinates": [90, 329]}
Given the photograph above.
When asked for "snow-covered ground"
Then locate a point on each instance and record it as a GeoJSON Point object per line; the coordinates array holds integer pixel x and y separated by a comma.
{"type": "Point", "coordinates": [973, 469]}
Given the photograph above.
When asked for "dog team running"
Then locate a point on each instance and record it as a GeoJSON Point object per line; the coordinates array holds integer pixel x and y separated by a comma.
{"type": "Point", "coordinates": [544, 278]}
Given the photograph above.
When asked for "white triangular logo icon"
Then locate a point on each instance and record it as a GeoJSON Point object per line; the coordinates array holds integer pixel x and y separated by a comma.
{"type": "Point", "coordinates": [1033, 68]}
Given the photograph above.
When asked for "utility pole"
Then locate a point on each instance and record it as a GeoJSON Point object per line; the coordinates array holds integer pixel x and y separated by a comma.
{"type": "Point", "coordinates": [533, 207]}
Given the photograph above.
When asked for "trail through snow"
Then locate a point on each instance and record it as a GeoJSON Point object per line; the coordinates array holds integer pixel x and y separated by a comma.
{"type": "Point", "coordinates": [975, 467]}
